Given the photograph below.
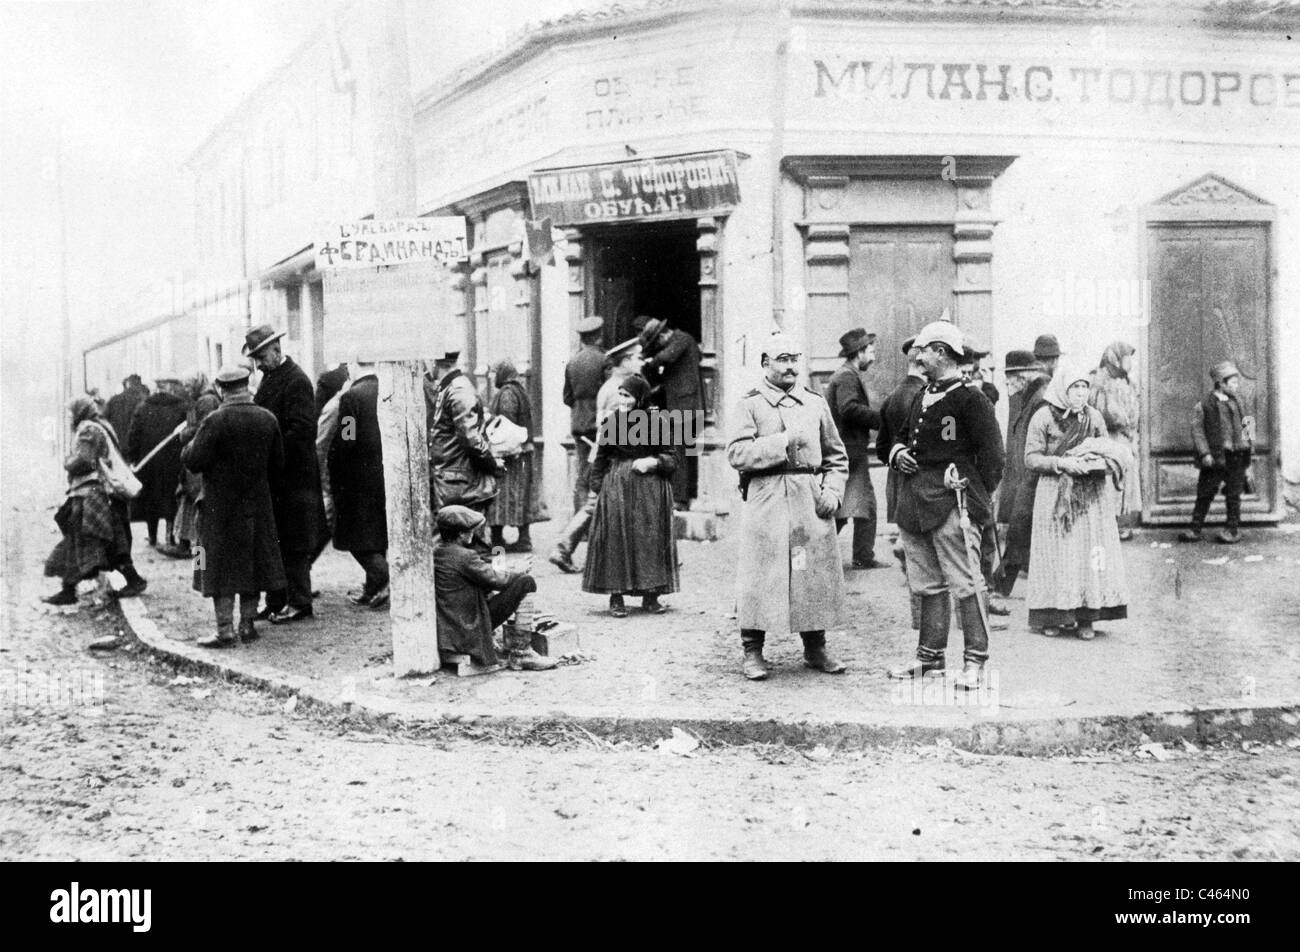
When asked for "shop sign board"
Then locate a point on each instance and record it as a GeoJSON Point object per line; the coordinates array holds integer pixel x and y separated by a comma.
{"type": "Point", "coordinates": [398, 241]}
{"type": "Point", "coordinates": [679, 186]}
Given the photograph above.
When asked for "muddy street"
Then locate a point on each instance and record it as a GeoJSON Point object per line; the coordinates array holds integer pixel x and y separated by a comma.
{"type": "Point", "coordinates": [167, 766]}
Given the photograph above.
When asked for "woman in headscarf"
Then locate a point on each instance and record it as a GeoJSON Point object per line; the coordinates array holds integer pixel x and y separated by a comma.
{"type": "Point", "coordinates": [189, 493]}
{"type": "Point", "coordinates": [1114, 394]}
{"type": "Point", "coordinates": [95, 527]}
{"type": "Point", "coordinates": [1076, 566]}
{"type": "Point", "coordinates": [631, 549]}
{"type": "Point", "coordinates": [518, 498]}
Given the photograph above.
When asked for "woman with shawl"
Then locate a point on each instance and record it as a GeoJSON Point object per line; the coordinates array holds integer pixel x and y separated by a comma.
{"type": "Point", "coordinates": [631, 549]}
{"type": "Point", "coordinates": [518, 498]}
{"type": "Point", "coordinates": [189, 494]}
{"type": "Point", "coordinates": [95, 527]}
{"type": "Point", "coordinates": [1076, 566]}
{"type": "Point", "coordinates": [1114, 394]}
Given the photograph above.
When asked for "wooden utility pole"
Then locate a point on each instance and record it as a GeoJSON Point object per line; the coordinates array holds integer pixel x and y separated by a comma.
{"type": "Point", "coordinates": [401, 392]}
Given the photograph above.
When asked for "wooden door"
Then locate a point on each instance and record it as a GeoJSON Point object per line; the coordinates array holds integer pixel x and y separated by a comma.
{"type": "Point", "coordinates": [1209, 302]}
{"type": "Point", "coordinates": [900, 279]}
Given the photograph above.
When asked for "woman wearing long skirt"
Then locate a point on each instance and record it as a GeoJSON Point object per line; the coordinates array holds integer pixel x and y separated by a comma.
{"type": "Point", "coordinates": [631, 549]}
{"type": "Point", "coordinates": [95, 527]}
{"type": "Point", "coordinates": [1076, 566]}
{"type": "Point", "coordinates": [518, 499]}
{"type": "Point", "coordinates": [1114, 394]}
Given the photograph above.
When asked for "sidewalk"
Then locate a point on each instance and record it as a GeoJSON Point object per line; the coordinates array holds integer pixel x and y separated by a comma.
{"type": "Point", "coordinates": [1212, 644]}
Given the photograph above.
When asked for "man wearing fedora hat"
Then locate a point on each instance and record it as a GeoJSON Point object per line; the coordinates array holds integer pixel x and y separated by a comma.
{"type": "Point", "coordinates": [287, 392]}
{"type": "Point", "coordinates": [583, 375]}
{"type": "Point", "coordinates": [672, 367]}
{"type": "Point", "coordinates": [1026, 380]}
{"type": "Point", "coordinates": [855, 417]}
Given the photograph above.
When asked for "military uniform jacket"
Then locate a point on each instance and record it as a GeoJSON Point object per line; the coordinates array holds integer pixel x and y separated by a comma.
{"type": "Point", "coordinates": [790, 575]}
{"type": "Point", "coordinates": [959, 427]}
{"type": "Point", "coordinates": [583, 376]}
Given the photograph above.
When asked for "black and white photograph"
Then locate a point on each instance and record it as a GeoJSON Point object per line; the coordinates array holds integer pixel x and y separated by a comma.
{"type": "Point", "coordinates": [652, 431]}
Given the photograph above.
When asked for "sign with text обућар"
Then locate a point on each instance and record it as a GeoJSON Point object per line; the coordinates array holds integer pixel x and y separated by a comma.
{"type": "Point", "coordinates": [398, 241]}
{"type": "Point", "coordinates": [680, 186]}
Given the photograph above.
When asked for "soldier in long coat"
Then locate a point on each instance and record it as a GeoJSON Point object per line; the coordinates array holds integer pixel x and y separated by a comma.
{"type": "Point", "coordinates": [287, 392]}
{"type": "Point", "coordinates": [583, 376]}
{"type": "Point", "coordinates": [793, 469]}
{"type": "Point", "coordinates": [240, 455]}
{"type": "Point", "coordinates": [356, 475]}
{"type": "Point", "coordinates": [855, 418]}
{"type": "Point", "coordinates": [154, 421]}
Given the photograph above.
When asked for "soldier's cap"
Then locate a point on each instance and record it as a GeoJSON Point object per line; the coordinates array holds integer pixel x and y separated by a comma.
{"type": "Point", "coordinates": [448, 357]}
{"type": "Point", "coordinates": [1223, 370]}
{"type": "Point", "coordinates": [167, 376]}
{"type": "Point", "coordinates": [589, 325]}
{"type": "Point", "coordinates": [973, 352]}
{"type": "Point", "coordinates": [459, 517]}
{"type": "Point", "coordinates": [909, 344]}
{"type": "Point", "coordinates": [1046, 346]}
{"type": "Point", "coordinates": [232, 375]}
{"type": "Point", "coordinates": [941, 332]}
{"type": "Point", "coordinates": [619, 351]}
{"type": "Point", "coordinates": [780, 343]}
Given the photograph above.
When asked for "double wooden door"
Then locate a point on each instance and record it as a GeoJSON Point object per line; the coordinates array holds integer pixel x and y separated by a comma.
{"type": "Point", "coordinates": [1209, 302]}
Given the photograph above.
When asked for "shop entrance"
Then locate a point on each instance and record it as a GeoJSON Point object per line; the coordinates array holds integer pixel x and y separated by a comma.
{"type": "Point", "coordinates": [651, 269]}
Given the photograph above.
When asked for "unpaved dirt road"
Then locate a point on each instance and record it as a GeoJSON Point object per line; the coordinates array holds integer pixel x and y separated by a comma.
{"type": "Point", "coordinates": [208, 770]}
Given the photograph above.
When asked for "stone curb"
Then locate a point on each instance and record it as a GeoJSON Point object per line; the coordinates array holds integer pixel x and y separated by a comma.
{"type": "Point", "coordinates": [1200, 726]}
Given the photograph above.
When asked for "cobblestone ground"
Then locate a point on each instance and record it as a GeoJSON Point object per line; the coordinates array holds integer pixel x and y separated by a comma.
{"type": "Point", "coordinates": [116, 757]}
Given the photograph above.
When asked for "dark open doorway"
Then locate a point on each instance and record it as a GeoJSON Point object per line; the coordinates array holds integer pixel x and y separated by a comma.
{"type": "Point", "coordinates": [651, 269]}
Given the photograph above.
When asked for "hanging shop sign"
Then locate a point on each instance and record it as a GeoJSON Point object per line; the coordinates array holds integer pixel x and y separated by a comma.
{"type": "Point", "coordinates": [371, 244]}
{"type": "Point", "coordinates": [679, 186]}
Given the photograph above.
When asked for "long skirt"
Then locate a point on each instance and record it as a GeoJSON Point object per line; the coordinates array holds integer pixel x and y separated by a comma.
{"type": "Point", "coordinates": [1076, 575]}
{"type": "Point", "coordinates": [96, 538]}
{"type": "Point", "coordinates": [518, 501]}
{"type": "Point", "coordinates": [631, 548]}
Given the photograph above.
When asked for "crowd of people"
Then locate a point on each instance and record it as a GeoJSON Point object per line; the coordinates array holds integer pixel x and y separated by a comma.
{"type": "Point", "coordinates": [254, 483]}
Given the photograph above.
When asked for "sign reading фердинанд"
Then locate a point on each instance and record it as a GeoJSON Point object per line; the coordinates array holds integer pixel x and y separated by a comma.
{"type": "Point", "coordinates": [372, 244]}
{"type": "Point", "coordinates": [703, 183]}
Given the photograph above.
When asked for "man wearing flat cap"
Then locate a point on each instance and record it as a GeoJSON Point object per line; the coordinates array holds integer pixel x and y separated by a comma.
{"type": "Point", "coordinates": [1047, 351]}
{"type": "Point", "coordinates": [240, 455]}
{"type": "Point", "coordinates": [1224, 443]}
{"type": "Point", "coordinates": [851, 409]}
{"type": "Point", "coordinates": [672, 368]}
{"type": "Point", "coordinates": [286, 391]}
{"type": "Point", "coordinates": [793, 469]}
{"type": "Point", "coordinates": [462, 469]}
{"type": "Point", "coordinates": [950, 443]}
{"type": "Point", "coordinates": [583, 375]}
{"type": "Point", "coordinates": [467, 611]}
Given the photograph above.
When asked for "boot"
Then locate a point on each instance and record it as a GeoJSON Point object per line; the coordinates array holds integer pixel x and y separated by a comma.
{"type": "Point", "coordinates": [561, 558]}
{"type": "Point", "coordinates": [224, 637]}
{"type": "Point", "coordinates": [1229, 536]}
{"type": "Point", "coordinates": [815, 656]}
{"type": "Point", "coordinates": [135, 583]}
{"type": "Point", "coordinates": [936, 612]}
{"type": "Point", "coordinates": [381, 599]}
{"type": "Point", "coordinates": [519, 642]}
{"type": "Point", "coordinates": [67, 595]}
{"type": "Point", "coordinates": [1190, 535]}
{"type": "Point", "coordinates": [754, 665]}
{"type": "Point", "coordinates": [971, 677]}
{"type": "Point", "coordinates": [247, 630]}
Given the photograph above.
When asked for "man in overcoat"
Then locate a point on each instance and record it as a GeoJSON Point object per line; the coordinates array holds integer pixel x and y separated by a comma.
{"type": "Point", "coordinates": [122, 406]}
{"type": "Point", "coordinates": [240, 455]}
{"type": "Point", "coordinates": [161, 412]}
{"type": "Point", "coordinates": [356, 476]}
{"type": "Point", "coordinates": [949, 424]}
{"type": "Point", "coordinates": [793, 469]}
{"type": "Point", "coordinates": [1026, 380]}
{"type": "Point", "coordinates": [855, 417]}
{"type": "Point", "coordinates": [583, 375]}
{"type": "Point", "coordinates": [462, 469]}
{"type": "Point", "coordinates": [287, 392]}
{"type": "Point", "coordinates": [672, 367]}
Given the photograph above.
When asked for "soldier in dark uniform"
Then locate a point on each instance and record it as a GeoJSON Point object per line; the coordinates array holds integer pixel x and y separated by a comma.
{"type": "Point", "coordinates": [948, 423]}
{"type": "Point", "coordinates": [287, 392]}
{"type": "Point", "coordinates": [583, 376]}
{"type": "Point", "coordinates": [893, 419]}
{"type": "Point", "coordinates": [239, 453]}
{"type": "Point", "coordinates": [672, 367]}
{"type": "Point", "coordinates": [856, 418]}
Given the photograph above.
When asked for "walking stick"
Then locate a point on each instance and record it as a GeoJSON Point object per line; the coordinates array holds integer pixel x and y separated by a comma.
{"type": "Point", "coordinates": [161, 443]}
{"type": "Point", "coordinates": [958, 485]}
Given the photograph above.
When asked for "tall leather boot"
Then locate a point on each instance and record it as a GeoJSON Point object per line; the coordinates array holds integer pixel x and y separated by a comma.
{"type": "Point", "coordinates": [936, 616]}
{"type": "Point", "coordinates": [754, 666]}
{"type": "Point", "coordinates": [224, 606]}
{"type": "Point", "coordinates": [521, 656]}
{"type": "Point", "coordinates": [976, 650]}
{"type": "Point", "coordinates": [247, 611]}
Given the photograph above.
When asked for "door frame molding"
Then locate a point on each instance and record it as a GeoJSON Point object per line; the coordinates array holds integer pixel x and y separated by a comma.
{"type": "Point", "coordinates": [1212, 199]}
